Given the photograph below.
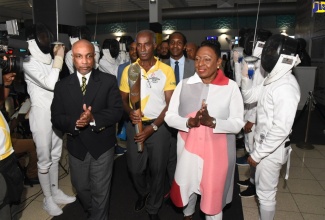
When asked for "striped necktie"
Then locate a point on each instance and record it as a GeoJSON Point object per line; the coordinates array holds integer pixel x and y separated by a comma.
{"type": "Point", "coordinates": [83, 85]}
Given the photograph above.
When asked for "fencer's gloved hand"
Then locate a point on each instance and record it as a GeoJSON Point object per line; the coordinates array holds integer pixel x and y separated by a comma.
{"type": "Point", "coordinates": [235, 56]}
{"type": "Point", "coordinates": [244, 69]}
{"type": "Point", "coordinates": [58, 52]}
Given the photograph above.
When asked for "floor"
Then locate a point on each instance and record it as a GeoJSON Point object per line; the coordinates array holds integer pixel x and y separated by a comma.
{"type": "Point", "coordinates": [302, 197]}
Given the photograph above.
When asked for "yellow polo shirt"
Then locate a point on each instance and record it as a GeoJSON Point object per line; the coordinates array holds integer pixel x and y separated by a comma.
{"type": "Point", "coordinates": [154, 83]}
{"type": "Point", "coordinates": [5, 141]}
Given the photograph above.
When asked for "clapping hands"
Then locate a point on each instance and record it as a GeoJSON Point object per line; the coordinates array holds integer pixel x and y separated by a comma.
{"type": "Point", "coordinates": [85, 118]}
{"type": "Point", "coordinates": [202, 117]}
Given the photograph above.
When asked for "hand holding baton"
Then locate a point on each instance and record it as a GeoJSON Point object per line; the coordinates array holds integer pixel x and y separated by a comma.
{"type": "Point", "coordinates": [134, 75]}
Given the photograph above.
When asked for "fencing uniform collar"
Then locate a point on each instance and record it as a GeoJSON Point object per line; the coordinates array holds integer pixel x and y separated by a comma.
{"type": "Point", "coordinates": [282, 67]}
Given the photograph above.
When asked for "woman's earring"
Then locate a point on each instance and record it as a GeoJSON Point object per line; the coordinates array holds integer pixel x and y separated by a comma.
{"type": "Point", "coordinates": [218, 68]}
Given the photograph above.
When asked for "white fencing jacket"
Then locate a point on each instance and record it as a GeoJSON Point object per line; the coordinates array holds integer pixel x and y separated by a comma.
{"type": "Point", "coordinates": [276, 109]}
{"type": "Point", "coordinates": [40, 79]}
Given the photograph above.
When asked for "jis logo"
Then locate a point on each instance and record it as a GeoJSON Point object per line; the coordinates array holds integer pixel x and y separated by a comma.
{"type": "Point", "coordinates": [319, 7]}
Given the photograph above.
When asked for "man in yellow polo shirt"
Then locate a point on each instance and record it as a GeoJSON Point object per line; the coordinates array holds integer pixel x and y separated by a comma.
{"type": "Point", "coordinates": [157, 86]}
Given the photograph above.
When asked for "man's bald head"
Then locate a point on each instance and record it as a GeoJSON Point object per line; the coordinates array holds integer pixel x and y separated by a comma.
{"type": "Point", "coordinates": [83, 43]}
{"type": "Point", "coordinates": [83, 53]}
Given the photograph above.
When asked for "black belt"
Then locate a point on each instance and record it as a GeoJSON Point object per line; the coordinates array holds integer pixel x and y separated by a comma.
{"type": "Point", "coordinates": [148, 122]}
{"type": "Point", "coordinates": [287, 144]}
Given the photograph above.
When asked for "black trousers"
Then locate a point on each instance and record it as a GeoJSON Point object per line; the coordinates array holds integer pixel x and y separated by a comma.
{"type": "Point", "coordinates": [154, 158]}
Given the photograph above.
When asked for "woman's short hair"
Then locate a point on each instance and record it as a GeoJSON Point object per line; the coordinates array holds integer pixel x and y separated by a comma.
{"type": "Point", "coordinates": [214, 45]}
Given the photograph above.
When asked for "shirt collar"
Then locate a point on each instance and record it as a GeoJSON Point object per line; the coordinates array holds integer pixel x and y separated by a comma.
{"type": "Point", "coordinates": [80, 76]}
{"type": "Point", "coordinates": [153, 68]}
{"type": "Point", "coordinates": [180, 61]}
{"type": "Point", "coordinates": [220, 80]}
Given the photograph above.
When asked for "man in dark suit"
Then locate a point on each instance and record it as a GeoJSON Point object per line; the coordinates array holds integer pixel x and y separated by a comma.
{"type": "Point", "coordinates": [183, 68]}
{"type": "Point", "coordinates": [86, 106]}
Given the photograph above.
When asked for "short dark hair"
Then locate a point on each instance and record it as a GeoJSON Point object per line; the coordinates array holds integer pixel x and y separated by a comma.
{"type": "Point", "coordinates": [213, 44]}
{"type": "Point", "coordinates": [177, 32]}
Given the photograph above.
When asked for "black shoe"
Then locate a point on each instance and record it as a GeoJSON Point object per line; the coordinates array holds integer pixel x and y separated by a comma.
{"type": "Point", "coordinates": [249, 192]}
{"type": "Point", "coordinates": [31, 181]}
{"type": "Point", "coordinates": [119, 150]}
{"type": "Point", "coordinates": [154, 217]}
{"type": "Point", "coordinates": [140, 203]}
{"type": "Point", "coordinates": [245, 183]}
{"type": "Point", "coordinates": [242, 161]}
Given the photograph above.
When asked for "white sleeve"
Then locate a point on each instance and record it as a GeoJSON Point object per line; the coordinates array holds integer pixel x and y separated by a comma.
{"type": "Point", "coordinates": [257, 80]}
{"type": "Point", "coordinates": [234, 123]}
{"type": "Point", "coordinates": [172, 117]}
{"type": "Point", "coordinates": [37, 72]}
{"type": "Point", "coordinates": [69, 62]}
{"type": "Point", "coordinates": [250, 93]}
{"type": "Point", "coordinates": [238, 75]}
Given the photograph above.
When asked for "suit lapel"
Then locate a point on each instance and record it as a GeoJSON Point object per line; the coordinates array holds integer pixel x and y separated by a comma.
{"type": "Point", "coordinates": [75, 90]}
{"type": "Point", "coordinates": [92, 88]}
{"type": "Point", "coordinates": [188, 69]}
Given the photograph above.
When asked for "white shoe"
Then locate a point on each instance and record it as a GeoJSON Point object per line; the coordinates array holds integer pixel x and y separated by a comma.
{"type": "Point", "coordinates": [61, 198]}
{"type": "Point", "coordinates": [51, 207]}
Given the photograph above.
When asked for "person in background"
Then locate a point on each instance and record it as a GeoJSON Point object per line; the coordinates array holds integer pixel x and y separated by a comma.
{"type": "Point", "coordinates": [208, 110]}
{"type": "Point", "coordinates": [157, 85]}
{"type": "Point", "coordinates": [183, 68]}
{"type": "Point", "coordinates": [86, 106]}
{"type": "Point", "coordinates": [158, 50]}
{"type": "Point", "coordinates": [23, 144]}
{"type": "Point", "coordinates": [133, 57]}
{"type": "Point", "coordinates": [224, 61]}
{"type": "Point", "coordinates": [191, 49]}
{"type": "Point", "coordinates": [11, 179]}
{"type": "Point", "coordinates": [41, 74]}
{"type": "Point", "coordinates": [164, 50]}
{"type": "Point", "coordinates": [277, 101]}
{"type": "Point", "coordinates": [303, 55]}
{"type": "Point", "coordinates": [21, 139]}
{"type": "Point", "coordinates": [109, 62]}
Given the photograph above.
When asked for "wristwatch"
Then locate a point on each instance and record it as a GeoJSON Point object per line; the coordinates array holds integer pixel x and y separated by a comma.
{"type": "Point", "coordinates": [155, 127]}
{"type": "Point", "coordinates": [214, 122]}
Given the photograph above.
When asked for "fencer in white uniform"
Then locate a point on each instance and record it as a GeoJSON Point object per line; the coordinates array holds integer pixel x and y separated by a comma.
{"type": "Point", "coordinates": [41, 74]}
{"type": "Point", "coordinates": [257, 77]}
{"type": "Point", "coordinates": [277, 100]}
{"type": "Point", "coordinates": [110, 60]}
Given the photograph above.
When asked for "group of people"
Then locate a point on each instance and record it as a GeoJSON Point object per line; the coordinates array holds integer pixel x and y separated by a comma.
{"type": "Point", "coordinates": [190, 112]}
{"type": "Point", "coordinates": [204, 133]}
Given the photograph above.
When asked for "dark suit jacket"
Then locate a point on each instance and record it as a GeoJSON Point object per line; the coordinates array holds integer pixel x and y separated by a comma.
{"type": "Point", "coordinates": [103, 95]}
{"type": "Point", "coordinates": [189, 67]}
